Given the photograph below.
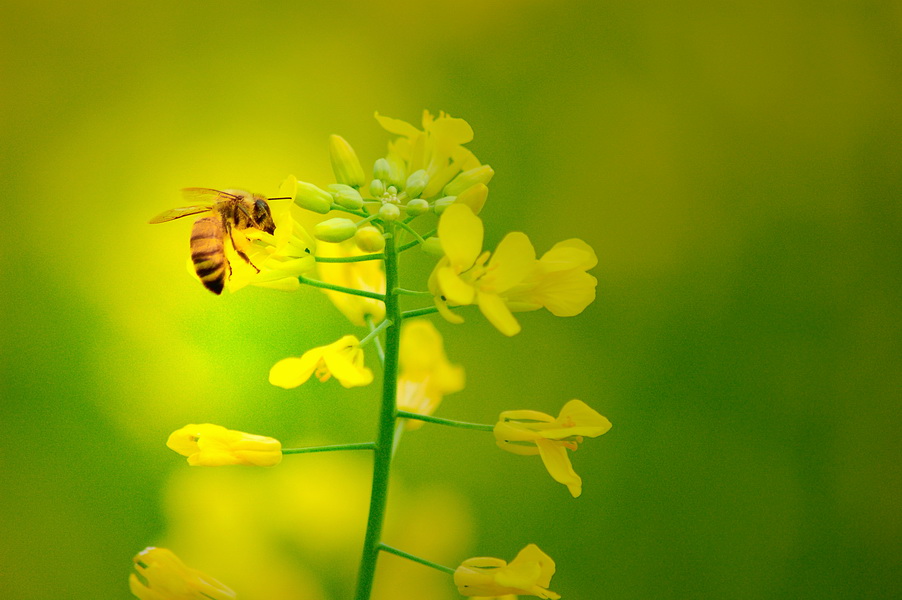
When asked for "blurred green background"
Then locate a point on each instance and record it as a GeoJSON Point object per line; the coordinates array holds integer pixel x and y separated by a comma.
{"type": "Point", "coordinates": [737, 167]}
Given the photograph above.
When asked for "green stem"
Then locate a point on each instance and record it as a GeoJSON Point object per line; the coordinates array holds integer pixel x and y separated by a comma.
{"type": "Point", "coordinates": [411, 292]}
{"type": "Point", "coordinates": [357, 446]}
{"type": "Point", "coordinates": [374, 331]}
{"type": "Point", "coordinates": [341, 208]}
{"type": "Point", "coordinates": [416, 559]}
{"type": "Point", "coordinates": [376, 341]}
{"type": "Point", "coordinates": [449, 422]}
{"type": "Point", "coordinates": [420, 240]}
{"type": "Point", "coordinates": [349, 259]}
{"type": "Point", "coordinates": [387, 417]}
{"type": "Point", "coordinates": [411, 231]}
{"type": "Point", "coordinates": [339, 288]}
{"type": "Point", "coordinates": [419, 312]}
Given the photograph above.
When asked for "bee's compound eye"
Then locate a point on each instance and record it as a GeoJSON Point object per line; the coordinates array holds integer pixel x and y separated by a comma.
{"type": "Point", "coordinates": [261, 208]}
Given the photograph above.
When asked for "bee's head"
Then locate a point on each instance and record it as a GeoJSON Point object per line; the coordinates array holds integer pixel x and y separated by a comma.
{"type": "Point", "coordinates": [262, 216]}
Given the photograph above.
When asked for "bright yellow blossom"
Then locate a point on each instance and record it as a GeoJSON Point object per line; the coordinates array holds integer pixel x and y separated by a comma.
{"type": "Point", "coordinates": [466, 275]}
{"type": "Point", "coordinates": [437, 149]}
{"type": "Point", "coordinates": [163, 576]}
{"type": "Point", "coordinates": [342, 359]}
{"type": "Point", "coordinates": [281, 256]}
{"type": "Point", "coordinates": [208, 445]}
{"type": "Point", "coordinates": [529, 573]}
{"type": "Point", "coordinates": [558, 281]}
{"type": "Point", "coordinates": [425, 373]}
{"type": "Point", "coordinates": [366, 275]}
{"type": "Point", "coordinates": [529, 432]}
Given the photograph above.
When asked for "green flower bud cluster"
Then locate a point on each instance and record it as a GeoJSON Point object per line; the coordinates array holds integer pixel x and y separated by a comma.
{"type": "Point", "coordinates": [394, 194]}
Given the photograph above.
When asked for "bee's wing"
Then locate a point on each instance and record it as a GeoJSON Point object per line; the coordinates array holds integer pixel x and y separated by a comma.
{"type": "Point", "coordinates": [206, 195]}
{"type": "Point", "coordinates": [178, 213]}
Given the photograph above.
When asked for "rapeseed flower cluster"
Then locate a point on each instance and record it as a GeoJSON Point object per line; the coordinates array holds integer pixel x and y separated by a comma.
{"type": "Point", "coordinates": [364, 222]}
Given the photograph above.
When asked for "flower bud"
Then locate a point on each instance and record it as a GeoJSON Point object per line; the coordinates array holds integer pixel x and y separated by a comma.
{"type": "Point", "coordinates": [474, 197]}
{"type": "Point", "coordinates": [369, 239]}
{"type": "Point", "coordinates": [442, 203]}
{"type": "Point", "coordinates": [345, 163]}
{"type": "Point", "coordinates": [377, 188]}
{"type": "Point", "coordinates": [432, 246]}
{"type": "Point", "coordinates": [346, 196]}
{"type": "Point", "coordinates": [335, 230]}
{"type": "Point", "coordinates": [416, 207]}
{"type": "Point", "coordinates": [306, 195]}
{"type": "Point", "coordinates": [397, 174]}
{"type": "Point", "coordinates": [481, 174]}
{"type": "Point", "coordinates": [389, 212]}
{"type": "Point", "coordinates": [416, 183]}
{"type": "Point", "coordinates": [381, 170]}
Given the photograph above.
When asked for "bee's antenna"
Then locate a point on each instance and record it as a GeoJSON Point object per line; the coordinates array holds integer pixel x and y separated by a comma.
{"type": "Point", "coordinates": [285, 198]}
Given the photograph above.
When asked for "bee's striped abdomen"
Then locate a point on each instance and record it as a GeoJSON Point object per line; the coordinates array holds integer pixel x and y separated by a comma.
{"type": "Point", "coordinates": [208, 253]}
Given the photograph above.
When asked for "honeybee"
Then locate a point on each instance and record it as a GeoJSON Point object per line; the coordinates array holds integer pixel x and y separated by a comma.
{"type": "Point", "coordinates": [225, 211]}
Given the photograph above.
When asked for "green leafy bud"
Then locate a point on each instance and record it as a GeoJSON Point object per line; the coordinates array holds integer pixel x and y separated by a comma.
{"type": "Point", "coordinates": [377, 188]}
{"type": "Point", "coordinates": [381, 170]}
{"type": "Point", "coordinates": [346, 196]}
{"type": "Point", "coordinates": [416, 183]}
{"type": "Point", "coordinates": [442, 203]}
{"type": "Point", "coordinates": [432, 246]}
{"type": "Point", "coordinates": [464, 181]}
{"type": "Point", "coordinates": [474, 197]}
{"type": "Point", "coordinates": [389, 212]}
{"type": "Point", "coordinates": [416, 207]}
{"type": "Point", "coordinates": [369, 239]}
{"type": "Point", "coordinates": [345, 163]}
{"type": "Point", "coordinates": [335, 230]}
{"type": "Point", "coordinates": [306, 195]}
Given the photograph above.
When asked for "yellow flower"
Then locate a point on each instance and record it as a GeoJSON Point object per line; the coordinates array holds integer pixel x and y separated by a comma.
{"type": "Point", "coordinates": [437, 149]}
{"type": "Point", "coordinates": [529, 573]}
{"type": "Point", "coordinates": [163, 576]}
{"type": "Point", "coordinates": [366, 275]}
{"type": "Point", "coordinates": [343, 359]}
{"type": "Point", "coordinates": [558, 281]}
{"type": "Point", "coordinates": [209, 445]}
{"type": "Point", "coordinates": [281, 256]}
{"type": "Point", "coordinates": [425, 373]}
{"type": "Point", "coordinates": [529, 432]}
{"type": "Point", "coordinates": [466, 274]}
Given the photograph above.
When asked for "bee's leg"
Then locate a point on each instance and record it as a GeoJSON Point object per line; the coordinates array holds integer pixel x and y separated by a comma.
{"type": "Point", "coordinates": [240, 252]}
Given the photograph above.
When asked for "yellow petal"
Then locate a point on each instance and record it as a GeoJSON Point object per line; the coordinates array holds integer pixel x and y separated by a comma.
{"type": "Point", "coordinates": [570, 254]}
{"type": "Point", "coordinates": [498, 314]}
{"type": "Point", "coordinates": [397, 126]}
{"type": "Point", "coordinates": [291, 372]}
{"type": "Point", "coordinates": [520, 576]}
{"type": "Point", "coordinates": [460, 233]}
{"type": "Point", "coordinates": [448, 314]}
{"type": "Point", "coordinates": [453, 288]}
{"type": "Point", "coordinates": [344, 367]}
{"type": "Point", "coordinates": [578, 418]}
{"type": "Point", "coordinates": [421, 346]}
{"type": "Point", "coordinates": [534, 554]}
{"type": "Point", "coordinates": [525, 415]}
{"type": "Point", "coordinates": [450, 131]}
{"type": "Point", "coordinates": [512, 261]}
{"type": "Point", "coordinates": [565, 293]}
{"type": "Point", "coordinates": [554, 455]}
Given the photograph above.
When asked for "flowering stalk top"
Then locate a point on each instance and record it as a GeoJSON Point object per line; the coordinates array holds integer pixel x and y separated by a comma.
{"type": "Point", "coordinates": [208, 445]}
{"type": "Point", "coordinates": [163, 576]}
{"type": "Point", "coordinates": [529, 573]}
{"type": "Point", "coordinates": [530, 432]}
